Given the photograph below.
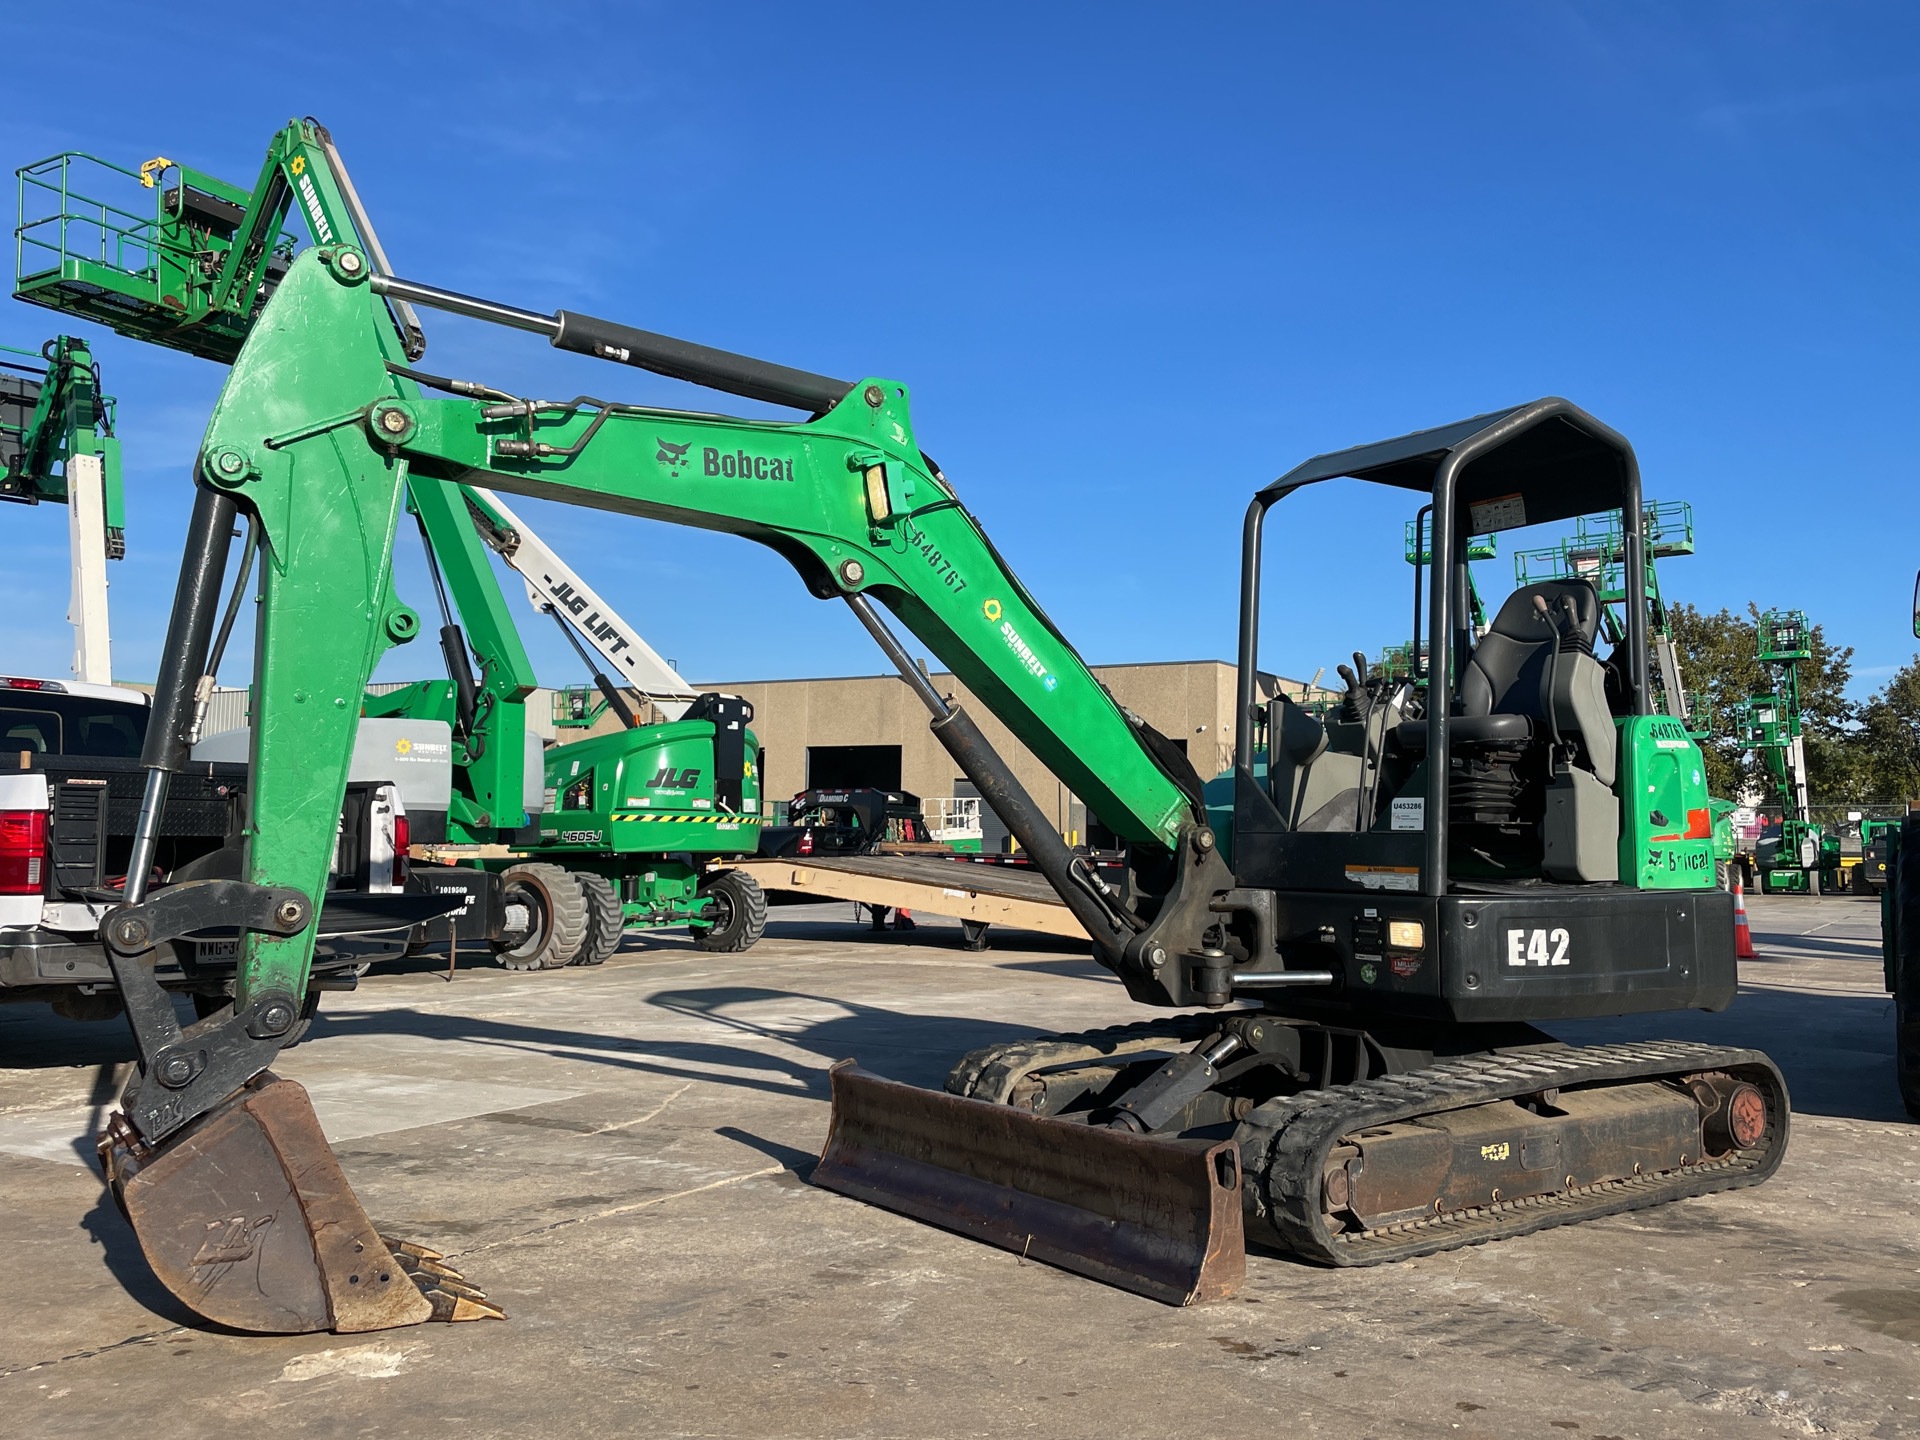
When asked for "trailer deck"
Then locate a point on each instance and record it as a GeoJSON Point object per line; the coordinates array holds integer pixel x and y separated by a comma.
{"type": "Point", "coordinates": [977, 895]}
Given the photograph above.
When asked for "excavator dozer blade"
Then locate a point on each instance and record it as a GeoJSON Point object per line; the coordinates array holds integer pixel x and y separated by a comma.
{"type": "Point", "coordinates": [1157, 1217]}
{"type": "Point", "coordinates": [246, 1217]}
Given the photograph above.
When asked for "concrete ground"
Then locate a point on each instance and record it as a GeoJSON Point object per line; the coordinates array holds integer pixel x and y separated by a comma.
{"type": "Point", "coordinates": [618, 1155]}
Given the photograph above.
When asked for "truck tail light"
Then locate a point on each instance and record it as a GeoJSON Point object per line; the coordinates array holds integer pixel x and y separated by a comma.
{"type": "Point", "coordinates": [23, 850]}
{"type": "Point", "coordinates": [806, 842]}
{"type": "Point", "coordinates": [402, 838]}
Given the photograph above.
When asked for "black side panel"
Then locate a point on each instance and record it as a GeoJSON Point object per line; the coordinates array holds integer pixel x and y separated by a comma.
{"type": "Point", "coordinates": [1596, 950]}
{"type": "Point", "coordinates": [203, 805]}
{"type": "Point", "coordinates": [730, 716]}
{"type": "Point", "coordinates": [208, 210]}
{"type": "Point", "coordinates": [1267, 855]}
{"type": "Point", "coordinates": [1561, 953]}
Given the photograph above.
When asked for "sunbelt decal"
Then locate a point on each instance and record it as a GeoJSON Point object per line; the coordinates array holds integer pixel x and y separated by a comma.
{"type": "Point", "coordinates": [1022, 651]}
{"type": "Point", "coordinates": [322, 231]}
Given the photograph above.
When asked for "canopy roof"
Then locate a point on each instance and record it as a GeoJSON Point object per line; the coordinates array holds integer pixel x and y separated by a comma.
{"type": "Point", "coordinates": [1551, 456]}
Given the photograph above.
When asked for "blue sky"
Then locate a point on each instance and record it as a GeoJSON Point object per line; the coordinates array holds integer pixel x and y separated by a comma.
{"type": "Point", "coordinates": [1135, 260]}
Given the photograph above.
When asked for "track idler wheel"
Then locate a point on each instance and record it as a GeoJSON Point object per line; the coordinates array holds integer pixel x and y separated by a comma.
{"type": "Point", "coordinates": [246, 1217]}
{"type": "Point", "coordinates": [1733, 1113]}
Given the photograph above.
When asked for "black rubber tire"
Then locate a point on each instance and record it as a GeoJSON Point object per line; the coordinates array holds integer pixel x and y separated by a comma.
{"type": "Point", "coordinates": [560, 917]}
{"type": "Point", "coordinates": [606, 922]}
{"type": "Point", "coordinates": [1903, 906]}
{"type": "Point", "coordinates": [206, 1005]}
{"type": "Point", "coordinates": [742, 914]}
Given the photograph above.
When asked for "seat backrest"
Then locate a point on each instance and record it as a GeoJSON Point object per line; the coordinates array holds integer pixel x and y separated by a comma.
{"type": "Point", "coordinates": [1507, 673]}
{"type": "Point", "coordinates": [1512, 667]}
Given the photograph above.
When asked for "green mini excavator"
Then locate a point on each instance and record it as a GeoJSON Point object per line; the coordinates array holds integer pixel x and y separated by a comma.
{"type": "Point", "coordinates": [1356, 931]}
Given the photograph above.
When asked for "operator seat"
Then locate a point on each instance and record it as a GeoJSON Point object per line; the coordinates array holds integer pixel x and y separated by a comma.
{"type": "Point", "coordinates": [1534, 675]}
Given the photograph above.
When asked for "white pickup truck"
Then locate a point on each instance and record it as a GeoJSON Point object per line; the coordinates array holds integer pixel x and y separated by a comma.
{"type": "Point", "coordinates": [70, 788]}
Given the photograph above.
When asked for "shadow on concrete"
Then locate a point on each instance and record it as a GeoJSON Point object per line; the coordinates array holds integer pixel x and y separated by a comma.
{"type": "Point", "coordinates": [1865, 947]}
{"type": "Point", "coordinates": [1836, 1051]}
{"type": "Point", "coordinates": [917, 1049]}
{"type": "Point", "coordinates": [798, 1162]}
{"type": "Point", "coordinates": [32, 1037]}
{"type": "Point", "coordinates": [1082, 967]}
{"type": "Point", "coordinates": [109, 1229]}
{"type": "Point", "coordinates": [120, 1252]}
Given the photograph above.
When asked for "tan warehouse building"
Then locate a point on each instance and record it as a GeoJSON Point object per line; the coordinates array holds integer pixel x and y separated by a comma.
{"type": "Point", "coordinates": [872, 730]}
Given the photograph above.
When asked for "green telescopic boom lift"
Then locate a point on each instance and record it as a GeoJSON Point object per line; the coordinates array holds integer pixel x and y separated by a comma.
{"type": "Point", "coordinates": [57, 446]}
{"type": "Point", "coordinates": [191, 271]}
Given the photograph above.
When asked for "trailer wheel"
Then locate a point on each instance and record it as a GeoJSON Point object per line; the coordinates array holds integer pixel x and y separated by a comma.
{"type": "Point", "coordinates": [606, 921]}
{"type": "Point", "coordinates": [739, 913]}
{"type": "Point", "coordinates": [556, 922]}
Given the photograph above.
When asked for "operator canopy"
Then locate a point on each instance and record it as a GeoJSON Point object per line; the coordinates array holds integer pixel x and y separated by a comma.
{"type": "Point", "coordinates": [1549, 455]}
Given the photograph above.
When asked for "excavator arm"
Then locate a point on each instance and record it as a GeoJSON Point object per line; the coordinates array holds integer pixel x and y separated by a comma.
{"type": "Point", "coordinates": [321, 433]}
{"type": "Point", "coordinates": [319, 438]}
{"type": "Point", "coordinates": [846, 497]}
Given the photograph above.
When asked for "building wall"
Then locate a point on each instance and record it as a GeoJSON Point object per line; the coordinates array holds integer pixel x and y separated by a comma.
{"type": "Point", "coordinates": [1190, 701]}
{"type": "Point", "coordinates": [1186, 700]}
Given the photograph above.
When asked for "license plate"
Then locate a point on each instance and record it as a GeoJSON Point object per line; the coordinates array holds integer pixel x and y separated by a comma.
{"type": "Point", "coordinates": [217, 951]}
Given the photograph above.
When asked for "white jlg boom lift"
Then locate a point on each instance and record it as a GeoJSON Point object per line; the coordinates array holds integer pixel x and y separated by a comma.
{"type": "Point", "coordinates": [555, 588]}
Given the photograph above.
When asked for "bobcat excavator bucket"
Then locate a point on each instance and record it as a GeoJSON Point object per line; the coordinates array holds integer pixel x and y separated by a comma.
{"type": "Point", "coordinates": [1159, 1217]}
{"type": "Point", "coordinates": [246, 1217]}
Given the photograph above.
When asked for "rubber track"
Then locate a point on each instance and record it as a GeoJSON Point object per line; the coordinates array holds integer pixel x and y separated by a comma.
{"type": "Point", "coordinates": [991, 1073]}
{"type": "Point", "coordinates": [1285, 1143]}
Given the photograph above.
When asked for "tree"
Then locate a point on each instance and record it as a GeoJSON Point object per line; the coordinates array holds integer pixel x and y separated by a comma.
{"type": "Point", "coordinates": [1889, 737]}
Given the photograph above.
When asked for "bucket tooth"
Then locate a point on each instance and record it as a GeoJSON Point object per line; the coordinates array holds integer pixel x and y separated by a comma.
{"type": "Point", "coordinates": [446, 1288]}
{"type": "Point", "coordinates": [1161, 1218]}
{"type": "Point", "coordinates": [246, 1217]}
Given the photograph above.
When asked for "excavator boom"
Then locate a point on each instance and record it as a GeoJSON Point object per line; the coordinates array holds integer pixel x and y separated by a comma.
{"type": "Point", "coordinates": [323, 470]}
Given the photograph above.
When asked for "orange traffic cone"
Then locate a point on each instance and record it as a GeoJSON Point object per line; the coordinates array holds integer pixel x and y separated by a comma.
{"type": "Point", "coordinates": [1742, 935]}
